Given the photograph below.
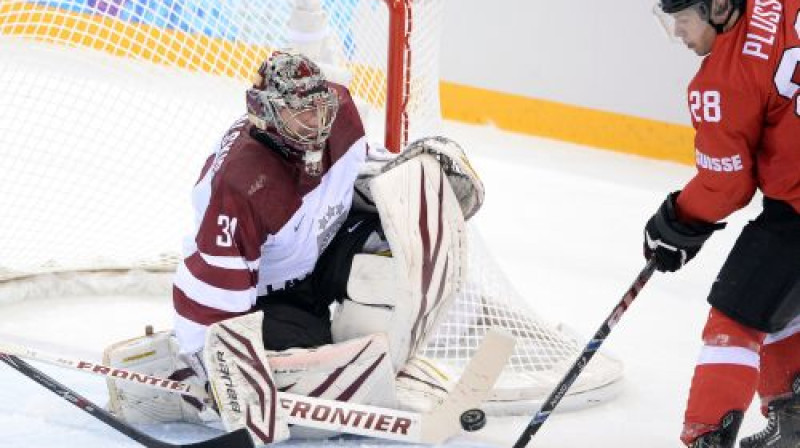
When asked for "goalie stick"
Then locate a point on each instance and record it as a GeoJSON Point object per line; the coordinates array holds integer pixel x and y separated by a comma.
{"type": "Point", "coordinates": [588, 352]}
{"type": "Point", "coordinates": [433, 427]}
{"type": "Point", "coordinates": [235, 439]}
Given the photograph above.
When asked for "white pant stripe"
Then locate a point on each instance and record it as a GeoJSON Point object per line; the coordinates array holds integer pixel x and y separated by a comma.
{"type": "Point", "coordinates": [728, 355]}
{"type": "Point", "coordinates": [792, 329]}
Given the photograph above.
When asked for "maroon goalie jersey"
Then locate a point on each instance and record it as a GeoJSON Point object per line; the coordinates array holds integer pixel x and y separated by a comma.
{"type": "Point", "coordinates": [744, 107]}
{"type": "Point", "coordinates": [261, 222]}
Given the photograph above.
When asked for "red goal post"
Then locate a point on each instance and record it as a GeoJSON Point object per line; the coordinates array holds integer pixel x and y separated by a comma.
{"type": "Point", "coordinates": [397, 85]}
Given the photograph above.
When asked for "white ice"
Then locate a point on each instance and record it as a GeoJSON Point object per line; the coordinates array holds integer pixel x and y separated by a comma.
{"type": "Point", "coordinates": [564, 222]}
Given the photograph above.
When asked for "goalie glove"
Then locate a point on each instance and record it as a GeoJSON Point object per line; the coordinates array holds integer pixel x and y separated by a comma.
{"type": "Point", "coordinates": [377, 158]}
{"type": "Point", "coordinates": [463, 179]}
{"type": "Point", "coordinates": [671, 242]}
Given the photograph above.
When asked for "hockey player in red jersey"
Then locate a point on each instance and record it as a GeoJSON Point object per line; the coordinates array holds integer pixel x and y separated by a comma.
{"type": "Point", "coordinates": [289, 221]}
{"type": "Point", "coordinates": [745, 109]}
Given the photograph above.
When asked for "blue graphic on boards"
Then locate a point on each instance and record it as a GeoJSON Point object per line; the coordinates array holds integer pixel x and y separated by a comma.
{"type": "Point", "coordinates": [213, 18]}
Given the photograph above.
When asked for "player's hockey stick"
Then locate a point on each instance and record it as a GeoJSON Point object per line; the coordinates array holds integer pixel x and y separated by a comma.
{"type": "Point", "coordinates": [235, 439]}
{"type": "Point", "coordinates": [444, 421]}
{"type": "Point", "coordinates": [588, 352]}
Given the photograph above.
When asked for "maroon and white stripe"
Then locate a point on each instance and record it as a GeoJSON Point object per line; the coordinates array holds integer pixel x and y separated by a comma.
{"type": "Point", "coordinates": [267, 399]}
{"type": "Point", "coordinates": [430, 258]}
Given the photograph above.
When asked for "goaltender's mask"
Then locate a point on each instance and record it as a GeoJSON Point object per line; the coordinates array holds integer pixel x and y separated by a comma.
{"type": "Point", "coordinates": [290, 97]}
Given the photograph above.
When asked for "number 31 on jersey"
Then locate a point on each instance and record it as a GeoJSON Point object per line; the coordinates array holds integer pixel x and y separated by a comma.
{"type": "Point", "coordinates": [228, 228]}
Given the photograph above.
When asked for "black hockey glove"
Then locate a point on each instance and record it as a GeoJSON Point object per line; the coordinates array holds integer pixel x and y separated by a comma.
{"type": "Point", "coordinates": [673, 243]}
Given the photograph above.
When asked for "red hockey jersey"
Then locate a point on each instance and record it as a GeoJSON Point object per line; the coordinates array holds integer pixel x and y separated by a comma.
{"type": "Point", "coordinates": [746, 113]}
{"type": "Point", "coordinates": [261, 222]}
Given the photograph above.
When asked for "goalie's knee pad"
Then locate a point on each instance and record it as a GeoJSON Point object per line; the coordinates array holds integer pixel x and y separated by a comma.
{"type": "Point", "coordinates": [376, 303]}
{"type": "Point", "coordinates": [154, 355]}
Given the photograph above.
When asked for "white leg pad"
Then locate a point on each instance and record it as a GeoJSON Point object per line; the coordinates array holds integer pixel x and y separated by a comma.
{"type": "Point", "coordinates": [154, 355]}
{"type": "Point", "coordinates": [355, 371]}
{"type": "Point", "coordinates": [241, 379]}
{"type": "Point", "coordinates": [407, 295]}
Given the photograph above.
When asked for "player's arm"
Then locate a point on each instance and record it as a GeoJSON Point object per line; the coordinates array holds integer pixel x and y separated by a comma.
{"type": "Point", "coordinates": [217, 279]}
{"type": "Point", "coordinates": [728, 124]}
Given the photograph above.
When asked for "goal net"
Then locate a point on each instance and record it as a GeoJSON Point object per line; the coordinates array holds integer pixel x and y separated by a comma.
{"type": "Point", "coordinates": [109, 108]}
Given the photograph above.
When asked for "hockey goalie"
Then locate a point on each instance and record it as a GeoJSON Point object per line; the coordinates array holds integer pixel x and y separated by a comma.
{"type": "Point", "coordinates": [318, 266]}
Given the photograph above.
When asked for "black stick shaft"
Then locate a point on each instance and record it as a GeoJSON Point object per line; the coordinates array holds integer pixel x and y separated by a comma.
{"type": "Point", "coordinates": [236, 439]}
{"type": "Point", "coordinates": [588, 352]}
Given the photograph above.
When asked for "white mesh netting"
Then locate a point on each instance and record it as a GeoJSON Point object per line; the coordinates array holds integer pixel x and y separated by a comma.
{"type": "Point", "coordinates": [108, 109]}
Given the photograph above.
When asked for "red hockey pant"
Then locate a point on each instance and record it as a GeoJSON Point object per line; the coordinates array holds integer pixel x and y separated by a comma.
{"type": "Point", "coordinates": [734, 363]}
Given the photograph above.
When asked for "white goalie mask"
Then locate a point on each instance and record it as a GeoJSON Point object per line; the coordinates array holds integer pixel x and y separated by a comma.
{"type": "Point", "coordinates": [290, 97]}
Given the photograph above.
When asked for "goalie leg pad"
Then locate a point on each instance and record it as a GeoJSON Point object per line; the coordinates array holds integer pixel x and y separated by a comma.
{"type": "Point", "coordinates": [355, 371]}
{"type": "Point", "coordinates": [241, 379]}
{"type": "Point", "coordinates": [406, 295]}
{"type": "Point", "coordinates": [154, 355]}
{"type": "Point", "coordinates": [376, 305]}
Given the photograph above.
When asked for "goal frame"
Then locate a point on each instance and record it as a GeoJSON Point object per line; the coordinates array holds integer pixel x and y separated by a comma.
{"type": "Point", "coordinates": [398, 71]}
